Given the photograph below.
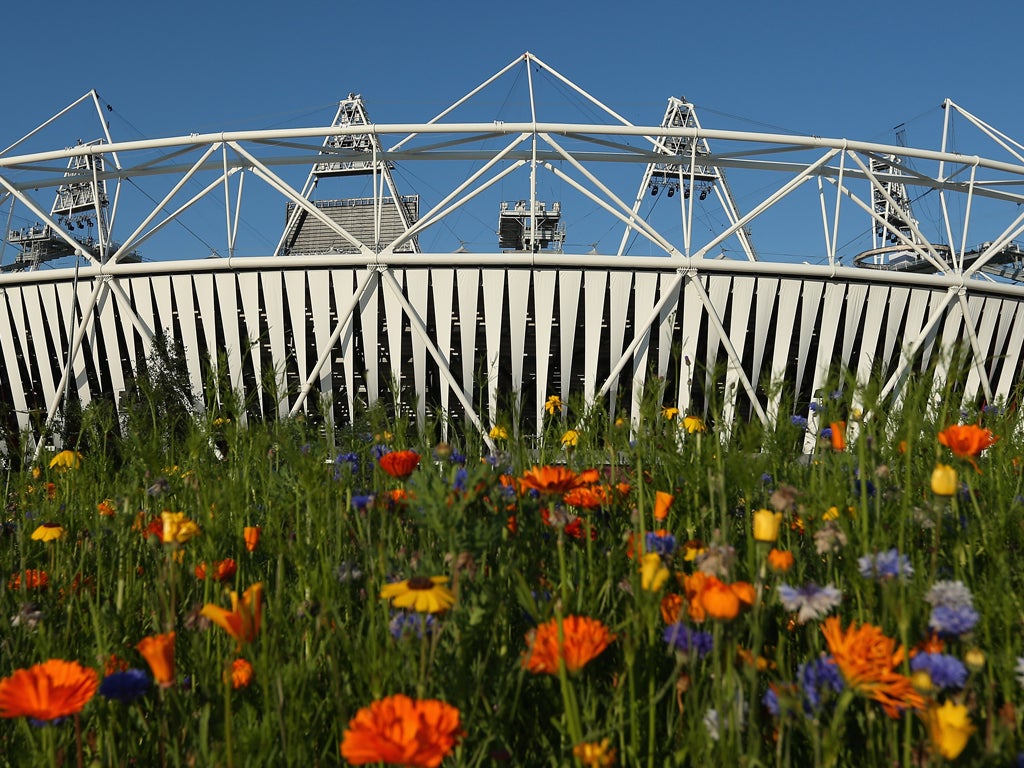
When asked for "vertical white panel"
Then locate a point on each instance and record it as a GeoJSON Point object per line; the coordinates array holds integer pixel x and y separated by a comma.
{"type": "Point", "coordinates": [569, 285]}
{"type": "Point", "coordinates": [785, 320]}
{"type": "Point", "coordinates": [1014, 346]}
{"type": "Point", "coordinates": [295, 290]}
{"type": "Point", "coordinates": [951, 337]}
{"type": "Point", "coordinates": [7, 345]}
{"type": "Point", "coordinates": [227, 303]}
{"type": "Point", "coordinates": [162, 293]}
{"type": "Point", "coordinates": [619, 289]}
{"type": "Point", "coordinates": [595, 284]}
{"type": "Point", "coordinates": [518, 303]}
{"type": "Point", "coordinates": [418, 282]}
{"type": "Point", "coordinates": [206, 294]}
{"type": "Point", "coordinates": [898, 298]}
{"type": "Point", "coordinates": [693, 311]}
{"type": "Point", "coordinates": [182, 287]}
{"type": "Point", "coordinates": [344, 282]}
{"type": "Point", "coordinates": [740, 313]}
{"type": "Point", "coordinates": [856, 296]}
{"type": "Point", "coordinates": [494, 307]}
{"type": "Point", "coordinates": [37, 322]}
{"type": "Point", "coordinates": [369, 319]}
{"type": "Point", "coordinates": [323, 327]}
{"type": "Point", "coordinates": [273, 304]}
{"type": "Point", "coordinates": [544, 309]}
{"type": "Point", "coordinates": [468, 281]}
{"type": "Point", "coordinates": [935, 302]}
{"type": "Point", "coordinates": [718, 289]}
{"type": "Point", "coordinates": [831, 310]}
{"type": "Point", "coordinates": [644, 292]}
{"type": "Point", "coordinates": [443, 286]}
{"type": "Point", "coordinates": [108, 328]}
{"type": "Point", "coordinates": [394, 315]}
{"type": "Point", "coordinates": [666, 320]}
{"type": "Point", "coordinates": [64, 294]}
{"type": "Point", "coordinates": [767, 289]}
{"type": "Point", "coordinates": [878, 295]}
{"type": "Point", "coordinates": [248, 284]}
{"type": "Point", "coordinates": [808, 322]}
{"type": "Point", "coordinates": [1004, 314]}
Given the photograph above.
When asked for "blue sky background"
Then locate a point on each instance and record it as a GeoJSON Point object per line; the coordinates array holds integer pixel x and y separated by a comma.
{"type": "Point", "coordinates": [852, 70]}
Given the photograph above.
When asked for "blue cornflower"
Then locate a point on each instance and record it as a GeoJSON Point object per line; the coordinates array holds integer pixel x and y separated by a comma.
{"type": "Point", "coordinates": [945, 671]}
{"type": "Point", "coordinates": [771, 702]}
{"type": "Point", "coordinates": [810, 601]}
{"type": "Point", "coordinates": [361, 501]}
{"type": "Point", "coordinates": [407, 623]}
{"type": "Point", "coordinates": [459, 481]}
{"type": "Point", "coordinates": [686, 640]}
{"type": "Point", "coordinates": [660, 543]}
{"type": "Point", "coordinates": [953, 621]}
{"type": "Point", "coordinates": [767, 478]}
{"type": "Point", "coordinates": [814, 406]}
{"type": "Point", "coordinates": [816, 678]}
{"type": "Point", "coordinates": [952, 594]}
{"type": "Point", "coordinates": [352, 459]}
{"type": "Point", "coordinates": [457, 458]}
{"type": "Point", "coordinates": [798, 421]}
{"type": "Point", "coordinates": [379, 450]}
{"type": "Point", "coordinates": [826, 433]}
{"type": "Point", "coordinates": [885, 565]}
{"type": "Point", "coordinates": [125, 686]}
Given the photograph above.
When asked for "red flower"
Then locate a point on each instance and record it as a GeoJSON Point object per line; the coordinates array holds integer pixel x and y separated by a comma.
{"type": "Point", "coordinates": [400, 464]}
{"type": "Point", "coordinates": [222, 569]}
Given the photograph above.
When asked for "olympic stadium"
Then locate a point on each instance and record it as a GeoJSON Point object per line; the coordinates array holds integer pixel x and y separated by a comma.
{"type": "Point", "coordinates": [464, 266]}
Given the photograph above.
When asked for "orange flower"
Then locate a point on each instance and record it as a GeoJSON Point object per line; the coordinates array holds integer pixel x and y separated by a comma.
{"type": "Point", "coordinates": [671, 605]}
{"type": "Point", "coordinates": [586, 497]}
{"type": "Point", "coordinates": [662, 502]}
{"type": "Point", "coordinates": [780, 560]}
{"type": "Point", "coordinates": [400, 464]}
{"type": "Point", "coordinates": [967, 441]}
{"type": "Point", "coordinates": [709, 597]}
{"type": "Point", "coordinates": [251, 534]}
{"type": "Point", "coordinates": [550, 480]}
{"type": "Point", "coordinates": [114, 663]}
{"type": "Point", "coordinates": [242, 622]}
{"type": "Point", "coordinates": [34, 579]}
{"type": "Point", "coordinates": [583, 639]}
{"type": "Point", "coordinates": [399, 730]}
{"type": "Point", "coordinates": [222, 569]}
{"type": "Point", "coordinates": [868, 661]}
{"type": "Point", "coordinates": [55, 688]}
{"type": "Point", "coordinates": [106, 508]}
{"type": "Point", "coordinates": [838, 435]}
{"type": "Point", "coordinates": [241, 674]}
{"type": "Point", "coordinates": [158, 651]}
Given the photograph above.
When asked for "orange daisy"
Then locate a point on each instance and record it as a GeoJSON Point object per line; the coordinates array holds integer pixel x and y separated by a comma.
{"type": "Point", "coordinates": [550, 480]}
{"type": "Point", "coordinates": [399, 730]}
{"type": "Point", "coordinates": [55, 688]}
{"type": "Point", "coordinates": [583, 639]}
{"type": "Point", "coordinates": [868, 661]}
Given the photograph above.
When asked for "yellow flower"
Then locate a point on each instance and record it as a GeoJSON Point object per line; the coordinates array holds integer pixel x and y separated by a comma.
{"type": "Point", "coordinates": [949, 727]}
{"type": "Point", "coordinates": [944, 480]}
{"type": "Point", "coordinates": [66, 460]}
{"type": "Point", "coordinates": [975, 659]}
{"type": "Point", "coordinates": [553, 405]}
{"type": "Point", "coordinates": [669, 412]}
{"type": "Point", "coordinates": [693, 549]}
{"type": "Point", "coordinates": [766, 525]}
{"type": "Point", "coordinates": [422, 594]}
{"type": "Point", "coordinates": [177, 528]}
{"type": "Point", "coordinates": [570, 438]}
{"type": "Point", "coordinates": [594, 754]}
{"type": "Point", "coordinates": [498, 432]}
{"type": "Point", "coordinates": [832, 513]}
{"type": "Point", "coordinates": [48, 532]}
{"type": "Point", "coordinates": [694, 424]}
{"type": "Point", "coordinates": [653, 573]}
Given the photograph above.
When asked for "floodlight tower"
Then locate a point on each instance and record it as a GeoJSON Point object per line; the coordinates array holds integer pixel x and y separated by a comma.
{"type": "Point", "coordinates": [355, 154]}
{"type": "Point", "coordinates": [687, 174]}
{"type": "Point", "coordinates": [80, 204]}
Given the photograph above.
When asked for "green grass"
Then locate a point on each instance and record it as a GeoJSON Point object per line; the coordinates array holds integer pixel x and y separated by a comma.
{"type": "Point", "coordinates": [325, 650]}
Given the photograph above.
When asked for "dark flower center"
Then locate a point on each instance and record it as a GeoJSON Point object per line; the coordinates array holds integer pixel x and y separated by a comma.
{"type": "Point", "coordinates": [420, 582]}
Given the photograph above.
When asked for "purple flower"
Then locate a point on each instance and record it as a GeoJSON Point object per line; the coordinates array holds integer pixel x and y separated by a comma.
{"type": "Point", "coordinates": [816, 678]}
{"type": "Point", "coordinates": [798, 421]}
{"type": "Point", "coordinates": [810, 601]}
{"type": "Point", "coordinates": [686, 640]}
{"type": "Point", "coordinates": [125, 686]}
{"type": "Point", "coordinates": [362, 501]}
{"type": "Point", "coordinates": [885, 565]}
{"type": "Point", "coordinates": [379, 450]}
{"type": "Point", "coordinates": [945, 671]}
{"type": "Point", "coordinates": [406, 623]}
{"type": "Point", "coordinates": [814, 407]}
{"type": "Point", "coordinates": [953, 621]}
{"type": "Point", "coordinates": [459, 482]}
{"type": "Point", "coordinates": [661, 543]}
{"type": "Point", "coordinates": [826, 433]}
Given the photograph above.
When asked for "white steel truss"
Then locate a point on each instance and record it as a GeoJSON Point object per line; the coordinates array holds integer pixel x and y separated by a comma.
{"type": "Point", "coordinates": [477, 334]}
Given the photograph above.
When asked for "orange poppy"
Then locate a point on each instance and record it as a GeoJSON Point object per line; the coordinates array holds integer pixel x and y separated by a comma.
{"type": "Point", "coordinates": [550, 480]}
{"type": "Point", "coordinates": [709, 597]}
{"type": "Point", "coordinates": [399, 730]}
{"type": "Point", "coordinates": [868, 661]}
{"type": "Point", "coordinates": [158, 651]}
{"type": "Point", "coordinates": [251, 534]}
{"type": "Point", "coordinates": [662, 502]}
{"type": "Point", "coordinates": [780, 560]}
{"type": "Point", "coordinates": [838, 435]}
{"type": "Point", "coordinates": [583, 639]}
{"type": "Point", "coordinates": [222, 569]}
{"type": "Point", "coordinates": [967, 440]}
{"type": "Point", "coordinates": [55, 688]}
{"type": "Point", "coordinates": [242, 622]}
{"type": "Point", "coordinates": [34, 579]}
{"type": "Point", "coordinates": [399, 464]}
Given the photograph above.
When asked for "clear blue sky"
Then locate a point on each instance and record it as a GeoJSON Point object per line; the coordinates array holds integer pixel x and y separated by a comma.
{"type": "Point", "coordinates": [850, 69]}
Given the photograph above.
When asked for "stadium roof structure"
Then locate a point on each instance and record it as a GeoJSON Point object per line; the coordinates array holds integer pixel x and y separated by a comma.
{"type": "Point", "coordinates": [466, 268]}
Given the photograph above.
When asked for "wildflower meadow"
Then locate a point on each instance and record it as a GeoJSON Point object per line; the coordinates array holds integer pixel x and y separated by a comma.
{"type": "Point", "coordinates": [839, 589]}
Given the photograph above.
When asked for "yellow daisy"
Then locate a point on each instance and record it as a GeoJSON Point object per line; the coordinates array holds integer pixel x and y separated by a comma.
{"type": "Point", "coordinates": [420, 593]}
